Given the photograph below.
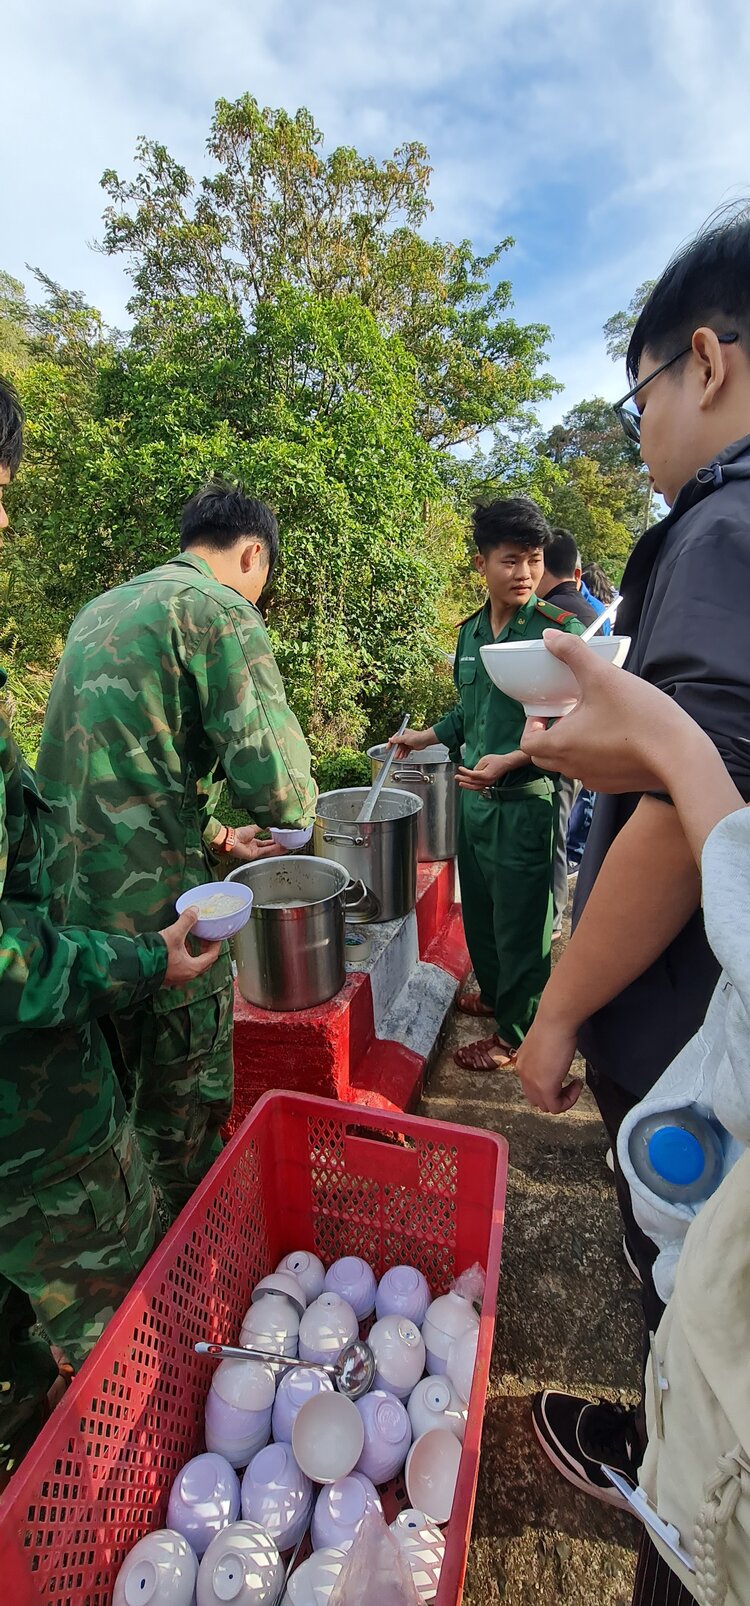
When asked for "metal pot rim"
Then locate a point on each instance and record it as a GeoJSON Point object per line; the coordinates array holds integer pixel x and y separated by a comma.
{"type": "Point", "coordinates": [362, 791]}
{"type": "Point", "coordinates": [269, 910]}
{"type": "Point", "coordinates": [413, 760]}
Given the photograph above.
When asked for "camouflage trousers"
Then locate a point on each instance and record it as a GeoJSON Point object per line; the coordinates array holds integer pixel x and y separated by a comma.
{"type": "Point", "coordinates": [69, 1252]}
{"type": "Point", "coordinates": [177, 1072]}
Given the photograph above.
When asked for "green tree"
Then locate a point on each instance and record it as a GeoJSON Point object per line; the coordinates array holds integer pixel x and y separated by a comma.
{"type": "Point", "coordinates": [14, 316]}
{"type": "Point", "coordinates": [619, 328]}
{"type": "Point", "coordinates": [276, 210]}
{"type": "Point", "coordinates": [591, 431]}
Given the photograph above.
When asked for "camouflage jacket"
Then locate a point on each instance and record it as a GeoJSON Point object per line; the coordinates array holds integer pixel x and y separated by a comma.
{"type": "Point", "coordinates": [58, 1095]}
{"type": "Point", "coordinates": [167, 685]}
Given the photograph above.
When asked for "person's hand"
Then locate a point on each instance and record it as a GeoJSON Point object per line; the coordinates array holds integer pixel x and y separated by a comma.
{"type": "Point", "coordinates": [543, 1063]}
{"type": "Point", "coordinates": [486, 772]}
{"type": "Point", "coordinates": [247, 847]}
{"type": "Point", "coordinates": [410, 742]}
{"type": "Point", "coordinates": [182, 966]}
{"type": "Point", "coordinates": [621, 733]}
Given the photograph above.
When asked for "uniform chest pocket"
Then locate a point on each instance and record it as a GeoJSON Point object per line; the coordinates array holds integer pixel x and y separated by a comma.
{"type": "Point", "coordinates": [467, 684]}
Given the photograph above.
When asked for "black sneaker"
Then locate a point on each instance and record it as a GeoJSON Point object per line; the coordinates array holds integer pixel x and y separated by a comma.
{"type": "Point", "coordinates": [579, 1436]}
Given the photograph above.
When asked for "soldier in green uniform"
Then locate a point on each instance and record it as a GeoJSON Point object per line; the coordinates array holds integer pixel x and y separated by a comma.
{"type": "Point", "coordinates": [78, 1213]}
{"type": "Point", "coordinates": [168, 685]}
{"type": "Point", "coordinates": [507, 809]}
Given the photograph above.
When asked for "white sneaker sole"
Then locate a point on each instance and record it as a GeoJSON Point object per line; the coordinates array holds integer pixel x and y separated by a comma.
{"type": "Point", "coordinates": [608, 1497]}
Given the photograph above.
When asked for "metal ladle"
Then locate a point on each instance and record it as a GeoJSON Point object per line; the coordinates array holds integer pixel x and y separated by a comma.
{"type": "Point", "coordinates": [368, 806]}
{"type": "Point", "coordinates": [353, 1372]}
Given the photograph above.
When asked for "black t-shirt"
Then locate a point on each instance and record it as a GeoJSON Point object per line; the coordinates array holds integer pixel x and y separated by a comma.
{"type": "Point", "coordinates": [566, 595]}
{"type": "Point", "coordinates": [686, 604]}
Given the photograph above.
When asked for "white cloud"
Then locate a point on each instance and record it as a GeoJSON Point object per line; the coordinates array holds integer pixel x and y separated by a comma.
{"type": "Point", "coordinates": [599, 134]}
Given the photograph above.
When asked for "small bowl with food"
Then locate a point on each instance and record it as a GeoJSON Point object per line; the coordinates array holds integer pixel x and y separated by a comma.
{"type": "Point", "coordinates": [222, 909]}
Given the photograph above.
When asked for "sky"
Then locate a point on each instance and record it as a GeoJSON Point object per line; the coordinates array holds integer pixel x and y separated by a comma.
{"type": "Point", "coordinates": [598, 134]}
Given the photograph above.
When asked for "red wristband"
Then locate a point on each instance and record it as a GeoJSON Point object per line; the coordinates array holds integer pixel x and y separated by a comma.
{"type": "Point", "coordinates": [227, 846]}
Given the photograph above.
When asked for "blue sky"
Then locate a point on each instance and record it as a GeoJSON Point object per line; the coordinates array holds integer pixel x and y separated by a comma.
{"type": "Point", "coordinates": [598, 133]}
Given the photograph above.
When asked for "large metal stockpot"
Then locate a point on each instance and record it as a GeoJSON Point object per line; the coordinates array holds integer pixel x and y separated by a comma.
{"type": "Point", "coordinates": [382, 853]}
{"type": "Point", "coordinates": [290, 955]}
{"type": "Point", "coordinates": [431, 776]}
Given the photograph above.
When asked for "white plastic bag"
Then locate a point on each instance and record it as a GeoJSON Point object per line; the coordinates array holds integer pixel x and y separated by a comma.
{"type": "Point", "coordinates": [376, 1571]}
{"type": "Point", "coordinates": [470, 1285]}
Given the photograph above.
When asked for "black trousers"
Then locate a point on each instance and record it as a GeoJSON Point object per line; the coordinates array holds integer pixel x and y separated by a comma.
{"type": "Point", "coordinates": [614, 1102]}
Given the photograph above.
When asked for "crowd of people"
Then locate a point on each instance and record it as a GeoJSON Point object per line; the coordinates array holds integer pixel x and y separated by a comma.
{"type": "Point", "coordinates": [116, 1030]}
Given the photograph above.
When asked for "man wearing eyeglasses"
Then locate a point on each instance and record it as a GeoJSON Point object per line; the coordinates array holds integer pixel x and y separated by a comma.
{"type": "Point", "coordinates": [635, 982]}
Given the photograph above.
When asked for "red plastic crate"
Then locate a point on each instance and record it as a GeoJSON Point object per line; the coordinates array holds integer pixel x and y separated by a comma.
{"type": "Point", "coordinates": [301, 1172]}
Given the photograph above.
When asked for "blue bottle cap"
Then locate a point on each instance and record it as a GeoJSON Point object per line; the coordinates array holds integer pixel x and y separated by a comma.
{"type": "Point", "coordinates": [676, 1155]}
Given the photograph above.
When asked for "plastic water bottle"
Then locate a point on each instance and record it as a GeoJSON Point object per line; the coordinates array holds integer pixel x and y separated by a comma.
{"type": "Point", "coordinates": [678, 1154]}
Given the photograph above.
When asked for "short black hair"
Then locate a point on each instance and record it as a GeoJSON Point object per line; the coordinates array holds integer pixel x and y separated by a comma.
{"type": "Point", "coordinates": [561, 556]}
{"type": "Point", "coordinates": [514, 520]}
{"type": "Point", "coordinates": [11, 428]}
{"type": "Point", "coordinates": [707, 283]}
{"type": "Point", "coordinates": [597, 583]}
{"type": "Point", "coordinates": [220, 514]}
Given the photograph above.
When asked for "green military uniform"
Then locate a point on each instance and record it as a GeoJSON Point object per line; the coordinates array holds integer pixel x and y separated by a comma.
{"type": "Point", "coordinates": [505, 839]}
{"type": "Point", "coordinates": [77, 1208]}
{"type": "Point", "coordinates": [167, 685]}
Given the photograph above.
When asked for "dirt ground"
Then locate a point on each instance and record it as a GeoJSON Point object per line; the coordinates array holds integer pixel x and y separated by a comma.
{"type": "Point", "coordinates": [567, 1317]}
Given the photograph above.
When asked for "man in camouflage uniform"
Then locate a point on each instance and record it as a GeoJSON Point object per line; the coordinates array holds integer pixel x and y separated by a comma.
{"type": "Point", "coordinates": [167, 685]}
{"type": "Point", "coordinates": [77, 1209]}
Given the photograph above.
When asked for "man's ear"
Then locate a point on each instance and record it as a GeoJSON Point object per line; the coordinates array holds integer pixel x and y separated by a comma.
{"type": "Point", "coordinates": [714, 360]}
{"type": "Point", "coordinates": [479, 563]}
{"type": "Point", "coordinates": [250, 555]}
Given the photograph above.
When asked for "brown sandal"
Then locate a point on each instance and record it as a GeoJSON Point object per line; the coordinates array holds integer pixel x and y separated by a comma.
{"type": "Point", "coordinates": [472, 1003]}
{"type": "Point", "coordinates": [489, 1054]}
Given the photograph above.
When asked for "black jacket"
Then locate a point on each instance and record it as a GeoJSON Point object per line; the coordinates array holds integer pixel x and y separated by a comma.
{"type": "Point", "coordinates": [566, 595]}
{"type": "Point", "coordinates": [686, 604]}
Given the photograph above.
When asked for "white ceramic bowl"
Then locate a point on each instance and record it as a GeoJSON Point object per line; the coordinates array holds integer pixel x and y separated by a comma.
{"type": "Point", "coordinates": [328, 1325]}
{"type": "Point", "coordinates": [218, 927]}
{"type": "Point", "coordinates": [461, 1362]}
{"type": "Point", "coordinates": [340, 1509]}
{"type": "Point", "coordinates": [435, 1403]}
{"type": "Point", "coordinates": [243, 1565]}
{"type": "Point", "coordinates": [328, 1437]}
{"type": "Point", "coordinates": [399, 1355]}
{"type": "Point", "coordinates": [424, 1548]}
{"type": "Point", "coordinates": [289, 838]}
{"type": "Point", "coordinates": [159, 1571]}
{"type": "Point", "coordinates": [282, 1282]}
{"type": "Point", "coordinates": [403, 1291]}
{"type": "Point", "coordinates": [447, 1318]}
{"type": "Point", "coordinates": [531, 675]}
{"type": "Point", "coordinates": [432, 1473]}
{"type": "Point", "coordinates": [204, 1498]}
{"type": "Point", "coordinates": [271, 1324]}
{"type": "Point", "coordinates": [387, 1435]}
{"type": "Point", "coordinates": [311, 1584]}
{"type": "Point", "coordinates": [354, 1280]}
{"type": "Point", "coordinates": [294, 1390]}
{"type": "Point", "coordinates": [308, 1270]}
{"type": "Point", "coordinates": [278, 1495]}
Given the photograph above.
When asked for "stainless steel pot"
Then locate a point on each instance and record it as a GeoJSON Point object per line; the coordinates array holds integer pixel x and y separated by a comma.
{"type": "Point", "coordinates": [431, 776]}
{"type": "Point", "coordinates": [290, 955]}
{"type": "Point", "coordinates": [381, 853]}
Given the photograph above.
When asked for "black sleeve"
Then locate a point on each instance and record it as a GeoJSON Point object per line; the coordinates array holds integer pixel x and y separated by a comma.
{"type": "Point", "coordinates": [699, 649]}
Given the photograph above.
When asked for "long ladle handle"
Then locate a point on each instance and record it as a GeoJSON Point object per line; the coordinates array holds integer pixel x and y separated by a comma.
{"type": "Point", "coordinates": [601, 619]}
{"type": "Point", "coordinates": [368, 806]}
{"type": "Point", "coordinates": [233, 1352]}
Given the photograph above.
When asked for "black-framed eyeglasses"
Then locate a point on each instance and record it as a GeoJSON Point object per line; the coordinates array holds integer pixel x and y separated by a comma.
{"type": "Point", "coordinates": [630, 417]}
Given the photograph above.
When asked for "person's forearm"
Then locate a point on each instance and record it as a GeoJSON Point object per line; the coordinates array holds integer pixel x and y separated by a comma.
{"type": "Point", "coordinates": [699, 784]}
{"type": "Point", "coordinates": [646, 891]}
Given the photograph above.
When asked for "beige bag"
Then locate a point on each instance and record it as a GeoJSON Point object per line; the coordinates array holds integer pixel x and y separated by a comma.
{"type": "Point", "coordinates": [696, 1471]}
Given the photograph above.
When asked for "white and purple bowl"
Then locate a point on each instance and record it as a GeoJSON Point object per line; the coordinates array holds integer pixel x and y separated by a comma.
{"type": "Point", "coordinates": [308, 1269]}
{"type": "Point", "coordinates": [403, 1291]}
{"type": "Point", "coordinates": [238, 1410]}
{"type": "Point", "coordinates": [399, 1355]}
{"type": "Point", "coordinates": [328, 1325]}
{"type": "Point", "coordinates": [284, 1283]}
{"type": "Point", "coordinates": [340, 1510]}
{"type": "Point", "coordinates": [218, 928]}
{"type": "Point", "coordinates": [388, 1435]}
{"type": "Point", "coordinates": [424, 1547]}
{"type": "Point", "coordinates": [435, 1403]}
{"type": "Point", "coordinates": [447, 1318]}
{"type": "Point", "coordinates": [271, 1324]}
{"type": "Point", "coordinates": [204, 1498]}
{"type": "Point", "coordinates": [312, 1583]}
{"type": "Point", "coordinates": [277, 1495]}
{"type": "Point", "coordinates": [354, 1280]}
{"type": "Point", "coordinates": [294, 1390]}
{"type": "Point", "coordinates": [242, 1565]}
{"type": "Point", "coordinates": [160, 1570]}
